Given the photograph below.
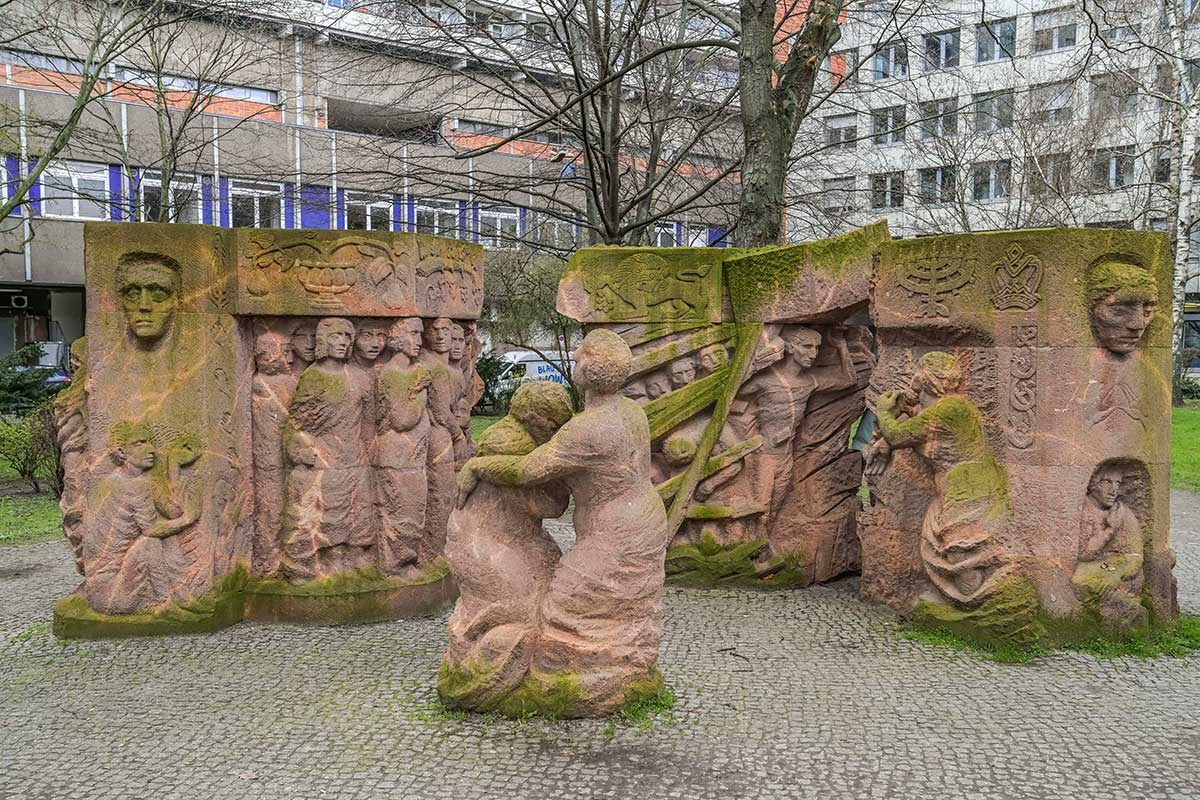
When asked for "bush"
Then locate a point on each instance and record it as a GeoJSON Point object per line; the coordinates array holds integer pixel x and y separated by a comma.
{"type": "Point", "coordinates": [27, 449]}
{"type": "Point", "coordinates": [489, 367]}
{"type": "Point", "coordinates": [23, 383]}
{"type": "Point", "coordinates": [1189, 387]}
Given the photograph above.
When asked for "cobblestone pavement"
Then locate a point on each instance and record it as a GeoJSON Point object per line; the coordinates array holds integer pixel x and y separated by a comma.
{"type": "Point", "coordinates": [805, 694]}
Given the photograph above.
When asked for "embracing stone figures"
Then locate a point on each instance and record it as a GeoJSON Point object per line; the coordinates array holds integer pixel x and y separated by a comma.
{"type": "Point", "coordinates": [264, 423]}
{"type": "Point", "coordinates": [533, 632]}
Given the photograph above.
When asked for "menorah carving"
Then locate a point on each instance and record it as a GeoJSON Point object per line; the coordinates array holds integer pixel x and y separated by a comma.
{"type": "Point", "coordinates": [929, 282]}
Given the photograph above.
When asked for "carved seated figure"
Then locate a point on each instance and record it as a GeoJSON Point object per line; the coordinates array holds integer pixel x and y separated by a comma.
{"type": "Point", "coordinates": [501, 557]}
{"type": "Point", "coordinates": [325, 527]}
{"type": "Point", "coordinates": [1109, 575]}
{"type": "Point", "coordinates": [961, 555]}
{"type": "Point", "coordinates": [135, 558]}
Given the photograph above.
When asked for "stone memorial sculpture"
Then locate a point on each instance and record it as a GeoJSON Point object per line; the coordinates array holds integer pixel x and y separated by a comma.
{"type": "Point", "coordinates": [71, 426]}
{"type": "Point", "coordinates": [254, 439]}
{"type": "Point", "coordinates": [751, 385]}
{"type": "Point", "coordinates": [502, 558]}
{"type": "Point", "coordinates": [599, 621]}
{"type": "Point", "coordinates": [1019, 475]}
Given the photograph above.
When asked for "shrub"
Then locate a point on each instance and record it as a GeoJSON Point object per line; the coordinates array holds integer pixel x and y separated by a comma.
{"type": "Point", "coordinates": [26, 448]}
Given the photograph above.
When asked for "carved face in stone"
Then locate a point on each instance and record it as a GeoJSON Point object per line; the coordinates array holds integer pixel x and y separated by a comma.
{"type": "Point", "coordinates": [304, 342]}
{"type": "Point", "coordinates": [404, 337]}
{"type": "Point", "coordinates": [148, 285]}
{"type": "Point", "coordinates": [681, 372]}
{"type": "Point", "coordinates": [458, 343]}
{"type": "Point", "coordinates": [370, 341]}
{"type": "Point", "coordinates": [657, 384]}
{"type": "Point", "coordinates": [438, 335]}
{"type": "Point", "coordinates": [334, 338]}
{"type": "Point", "coordinates": [1105, 487]}
{"type": "Point", "coordinates": [712, 358]}
{"type": "Point", "coordinates": [135, 447]}
{"type": "Point", "coordinates": [272, 354]}
{"type": "Point", "coordinates": [1123, 300]}
{"type": "Point", "coordinates": [801, 345]}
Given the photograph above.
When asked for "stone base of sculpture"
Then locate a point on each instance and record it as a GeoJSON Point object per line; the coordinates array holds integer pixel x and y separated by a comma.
{"type": "Point", "coordinates": [552, 695]}
{"type": "Point", "coordinates": [357, 597]}
{"type": "Point", "coordinates": [220, 608]}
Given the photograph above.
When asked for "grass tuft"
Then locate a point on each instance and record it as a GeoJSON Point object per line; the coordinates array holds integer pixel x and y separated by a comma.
{"type": "Point", "coordinates": [26, 519]}
{"type": "Point", "coordinates": [1003, 654]}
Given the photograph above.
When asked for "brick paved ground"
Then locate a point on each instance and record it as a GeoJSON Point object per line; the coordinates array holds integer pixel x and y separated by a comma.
{"type": "Point", "coordinates": [807, 694]}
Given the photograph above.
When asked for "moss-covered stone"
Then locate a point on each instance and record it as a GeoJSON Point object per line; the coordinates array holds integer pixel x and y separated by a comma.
{"type": "Point", "coordinates": [352, 597]}
{"type": "Point", "coordinates": [708, 563]}
{"type": "Point", "coordinates": [220, 608]}
{"type": "Point", "coordinates": [1008, 618]}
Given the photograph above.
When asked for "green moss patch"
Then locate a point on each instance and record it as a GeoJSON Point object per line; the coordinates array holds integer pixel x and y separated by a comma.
{"type": "Point", "coordinates": [647, 699]}
{"type": "Point", "coordinates": [1006, 620]}
{"type": "Point", "coordinates": [708, 563]}
{"type": "Point", "coordinates": [220, 608]}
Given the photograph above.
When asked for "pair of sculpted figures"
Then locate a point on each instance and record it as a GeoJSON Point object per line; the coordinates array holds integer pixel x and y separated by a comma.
{"type": "Point", "coordinates": [534, 628]}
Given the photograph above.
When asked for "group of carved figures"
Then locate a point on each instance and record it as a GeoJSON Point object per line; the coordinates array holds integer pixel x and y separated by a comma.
{"type": "Point", "coordinates": [359, 428]}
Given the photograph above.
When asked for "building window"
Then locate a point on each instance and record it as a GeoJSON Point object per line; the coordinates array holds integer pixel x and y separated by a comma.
{"type": "Point", "coordinates": [499, 227]}
{"type": "Point", "coordinates": [887, 125]}
{"type": "Point", "coordinates": [438, 218]}
{"type": "Point", "coordinates": [75, 190]}
{"type": "Point", "coordinates": [891, 62]}
{"type": "Point", "coordinates": [695, 234]}
{"type": "Point", "coordinates": [41, 63]}
{"type": "Point", "coordinates": [365, 212]}
{"type": "Point", "coordinates": [839, 194]}
{"type": "Point", "coordinates": [664, 234]}
{"type": "Point", "coordinates": [180, 83]}
{"type": "Point", "coordinates": [1050, 173]}
{"type": "Point", "coordinates": [937, 184]}
{"type": "Point", "coordinates": [843, 131]}
{"type": "Point", "coordinates": [484, 128]}
{"type": "Point", "coordinates": [183, 205]}
{"type": "Point", "coordinates": [1051, 102]}
{"type": "Point", "coordinates": [1053, 30]}
{"type": "Point", "coordinates": [1113, 95]}
{"type": "Point", "coordinates": [256, 205]}
{"type": "Point", "coordinates": [939, 118]}
{"type": "Point", "coordinates": [990, 180]}
{"type": "Point", "coordinates": [1112, 168]}
{"type": "Point", "coordinates": [993, 111]}
{"type": "Point", "coordinates": [995, 41]}
{"type": "Point", "coordinates": [941, 50]}
{"type": "Point", "coordinates": [1162, 165]}
{"type": "Point", "coordinates": [1122, 33]}
{"type": "Point", "coordinates": [887, 190]}
{"type": "Point", "coordinates": [552, 231]}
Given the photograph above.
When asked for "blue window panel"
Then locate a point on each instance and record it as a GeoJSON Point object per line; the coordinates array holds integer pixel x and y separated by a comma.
{"type": "Point", "coordinates": [314, 207]}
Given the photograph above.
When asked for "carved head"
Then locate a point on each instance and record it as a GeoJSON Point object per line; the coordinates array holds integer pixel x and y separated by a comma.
{"type": "Point", "coordinates": [438, 335]}
{"type": "Point", "coordinates": [133, 445]}
{"type": "Point", "coordinates": [304, 341]}
{"type": "Point", "coordinates": [542, 407]}
{"type": "Point", "coordinates": [801, 344]}
{"type": "Point", "coordinates": [78, 357]}
{"type": "Point", "coordinates": [603, 362]}
{"type": "Point", "coordinates": [679, 450]}
{"type": "Point", "coordinates": [404, 336]}
{"type": "Point", "coordinates": [1123, 298]}
{"type": "Point", "coordinates": [681, 371]}
{"type": "Point", "coordinates": [657, 384]}
{"type": "Point", "coordinates": [712, 358]}
{"type": "Point", "coordinates": [334, 338]}
{"type": "Point", "coordinates": [1105, 486]}
{"type": "Point", "coordinates": [939, 374]}
{"type": "Point", "coordinates": [272, 354]}
{"type": "Point", "coordinates": [370, 340]}
{"type": "Point", "coordinates": [458, 343]}
{"type": "Point", "coordinates": [149, 285]}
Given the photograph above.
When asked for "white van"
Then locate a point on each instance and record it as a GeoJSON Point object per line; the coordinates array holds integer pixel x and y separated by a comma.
{"type": "Point", "coordinates": [525, 365]}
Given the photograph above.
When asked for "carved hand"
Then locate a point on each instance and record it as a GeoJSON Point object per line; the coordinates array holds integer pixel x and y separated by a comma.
{"type": "Point", "coordinates": [876, 457]}
{"type": "Point", "coordinates": [466, 484]}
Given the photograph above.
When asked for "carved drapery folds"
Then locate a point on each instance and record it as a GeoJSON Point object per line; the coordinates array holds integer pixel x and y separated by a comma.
{"type": "Point", "coordinates": [266, 400]}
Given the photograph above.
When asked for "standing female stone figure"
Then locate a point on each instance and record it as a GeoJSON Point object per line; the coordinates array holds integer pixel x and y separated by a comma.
{"type": "Point", "coordinates": [401, 449]}
{"type": "Point", "coordinates": [959, 549]}
{"type": "Point", "coordinates": [270, 393]}
{"type": "Point", "coordinates": [325, 529]}
{"type": "Point", "coordinates": [501, 557]}
{"type": "Point", "coordinates": [445, 435]}
{"type": "Point", "coordinates": [601, 618]}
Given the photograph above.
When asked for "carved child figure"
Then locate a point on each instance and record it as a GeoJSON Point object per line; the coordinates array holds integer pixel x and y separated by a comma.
{"type": "Point", "coordinates": [135, 558]}
{"type": "Point", "coordinates": [325, 526]}
{"type": "Point", "coordinates": [270, 393]}
{"type": "Point", "coordinates": [1109, 575]}
{"type": "Point", "coordinates": [402, 449]}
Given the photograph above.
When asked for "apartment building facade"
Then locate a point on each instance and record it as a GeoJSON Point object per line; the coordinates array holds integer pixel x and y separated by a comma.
{"type": "Point", "coordinates": [315, 120]}
{"type": "Point", "coordinates": [1020, 113]}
